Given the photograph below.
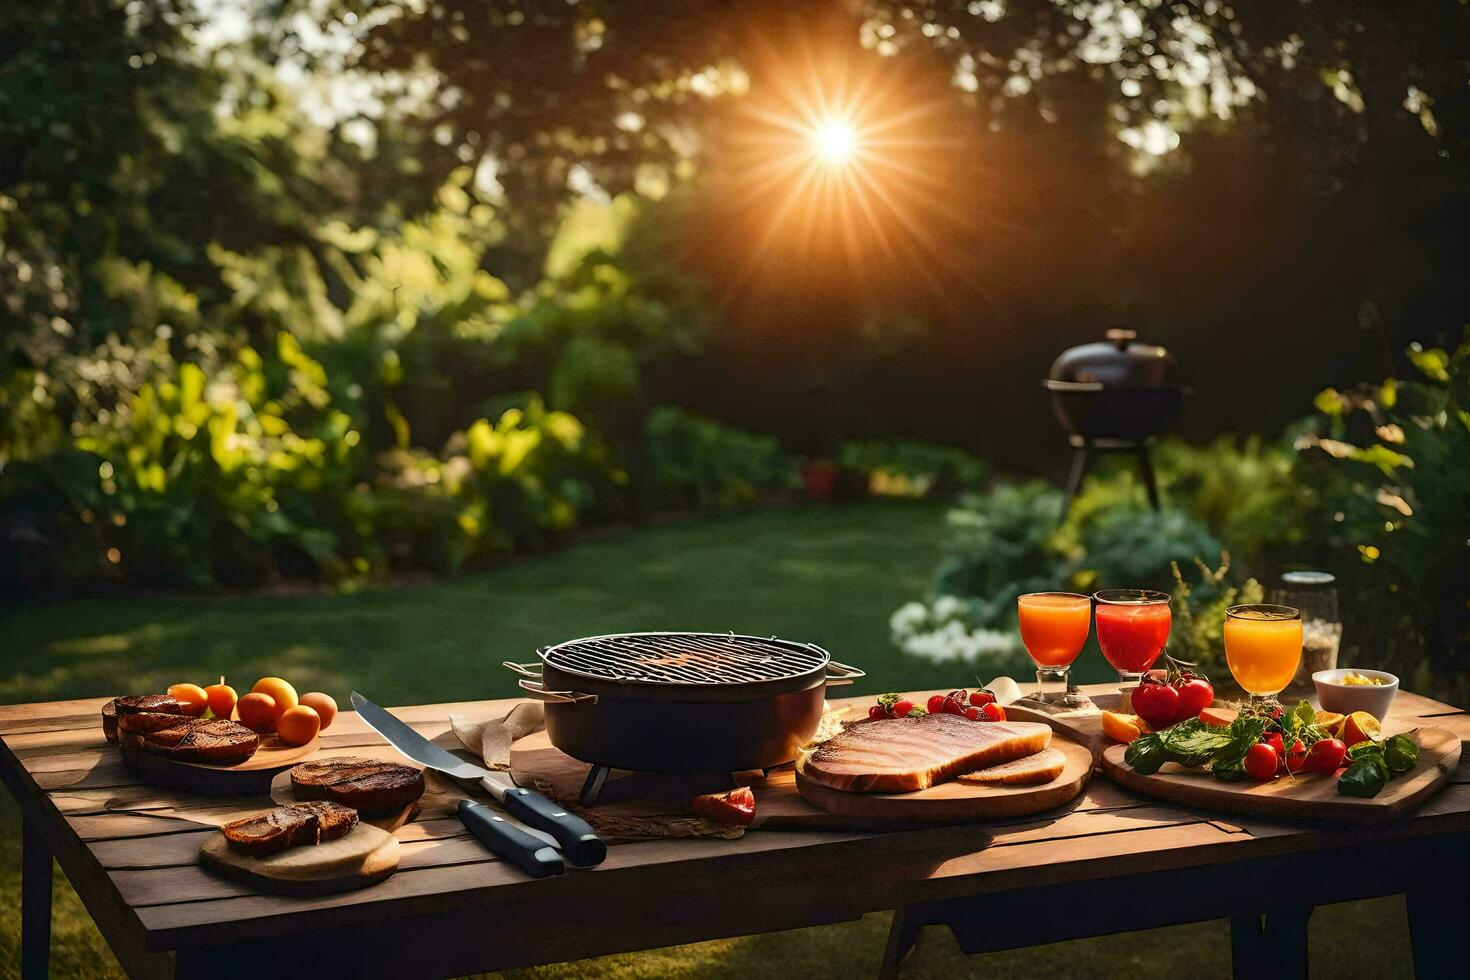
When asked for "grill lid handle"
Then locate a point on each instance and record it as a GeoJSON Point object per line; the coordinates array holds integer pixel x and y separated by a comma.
{"type": "Point", "coordinates": [537, 691]}
{"type": "Point", "coordinates": [840, 674]}
{"type": "Point", "coordinates": [525, 670]}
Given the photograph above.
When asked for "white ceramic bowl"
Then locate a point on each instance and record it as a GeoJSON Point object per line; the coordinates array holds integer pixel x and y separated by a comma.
{"type": "Point", "coordinates": [1375, 699]}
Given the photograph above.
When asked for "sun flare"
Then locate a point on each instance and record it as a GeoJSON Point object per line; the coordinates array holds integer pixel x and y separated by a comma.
{"type": "Point", "coordinates": [836, 141]}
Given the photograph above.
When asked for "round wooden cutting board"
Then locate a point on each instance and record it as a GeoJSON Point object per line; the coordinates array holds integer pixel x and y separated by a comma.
{"type": "Point", "coordinates": [364, 857]}
{"type": "Point", "coordinates": [954, 802]}
{"type": "Point", "coordinates": [1302, 797]}
{"type": "Point", "coordinates": [249, 778]}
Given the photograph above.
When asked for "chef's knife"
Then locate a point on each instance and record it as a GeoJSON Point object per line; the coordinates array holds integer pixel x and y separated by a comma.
{"type": "Point", "coordinates": [578, 842]}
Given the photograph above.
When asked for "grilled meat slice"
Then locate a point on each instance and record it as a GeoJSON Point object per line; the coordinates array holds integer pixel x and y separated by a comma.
{"type": "Point", "coordinates": [216, 742]}
{"type": "Point", "coordinates": [1032, 770]}
{"type": "Point", "coordinates": [109, 720]}
{"type": "Point", "coordinates": [900, 755]}
{"type": "Point", "coordinates": [363, 784]}
{"type": "Point", "coordinates": [291, 825]}
{"type": "Point", "coordinates": [138, 704]}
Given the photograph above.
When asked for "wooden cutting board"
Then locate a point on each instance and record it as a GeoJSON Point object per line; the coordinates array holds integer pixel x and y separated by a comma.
{"type": "Point", "coordinates": [364, 857]}
{"type": "Point", "coordinates": [1304, 797]}
{"type": "Point", "coordinates": [954, 801]}
{"type": "Point", "coordinates": [250, 778]}
{"type": "Point", "coordinates": [779, 804]}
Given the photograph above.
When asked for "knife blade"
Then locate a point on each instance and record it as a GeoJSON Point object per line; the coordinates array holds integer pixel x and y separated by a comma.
{"type": "Point", "coordinates": [578, 842]}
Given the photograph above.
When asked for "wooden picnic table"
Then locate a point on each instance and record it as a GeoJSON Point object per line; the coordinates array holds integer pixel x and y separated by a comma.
{"type": "Point", "coordinates": [1110, 862]}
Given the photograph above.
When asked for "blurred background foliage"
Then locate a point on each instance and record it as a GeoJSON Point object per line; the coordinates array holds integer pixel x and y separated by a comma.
{"type": "Point", "coordinates": [327, 290]}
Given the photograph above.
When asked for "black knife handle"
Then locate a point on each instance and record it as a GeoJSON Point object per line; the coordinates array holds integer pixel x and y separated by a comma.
{"type": "Point", "coordinates": [579, 843]}
{"type": "Point", "coordinates": [531, 854]}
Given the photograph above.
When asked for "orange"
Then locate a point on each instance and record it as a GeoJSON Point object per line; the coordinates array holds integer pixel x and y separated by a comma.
{"type": "Point", "coordinates": [222, 699]}
{"type": "Point", "coordinates": [280, 691]}
{"type": "Point", "coordinates": [1361, 727]}
{"type": "Point", "coordinates": [298, 725]}
{"type": "Point", "coordinates": [258, 712]}
{"type": "Point", "coordinates": [1122, 728]}
{"type": "Point", "coordinates": [323, 704]}
{"type": "Point", "coordinates": [1331, 722]}
{"type": "Point", "coordinates": [191, 698]}
{"type": "Point", "coordinates": [1217, 715]}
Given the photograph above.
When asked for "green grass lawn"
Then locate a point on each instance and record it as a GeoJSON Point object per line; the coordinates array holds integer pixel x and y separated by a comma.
{"type": "Point", "coordinates": [831, 575]}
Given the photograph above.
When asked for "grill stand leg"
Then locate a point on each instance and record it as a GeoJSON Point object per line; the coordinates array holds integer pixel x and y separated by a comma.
{"type": "Point", "coordinates": [1074, 478]}
{"type": "Point", "coordinates": [592, 788]}
{"type": "Point", "coordinates": [35, 904]}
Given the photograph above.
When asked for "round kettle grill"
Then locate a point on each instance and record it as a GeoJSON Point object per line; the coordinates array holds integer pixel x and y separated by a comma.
{"type": "Point", "coordinates": [681, 702]}
{"type": "Point", "coordinates": [1114, 397]}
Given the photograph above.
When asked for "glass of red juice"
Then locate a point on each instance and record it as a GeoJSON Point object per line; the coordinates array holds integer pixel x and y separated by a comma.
{"type": "Point", "coordinates": [1132, 629]}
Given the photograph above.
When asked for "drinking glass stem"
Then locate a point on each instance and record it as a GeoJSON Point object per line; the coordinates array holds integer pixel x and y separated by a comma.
{"type": "Point", "coordinates": [1058, 677]}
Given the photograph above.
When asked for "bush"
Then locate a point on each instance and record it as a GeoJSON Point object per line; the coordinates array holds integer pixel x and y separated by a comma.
{"type": "Point", "coordinates": [695, 461]}
{"type": "Point", "coordinates": [1390, 464]}
{"type": "Point", "coordinates": [906, 468]}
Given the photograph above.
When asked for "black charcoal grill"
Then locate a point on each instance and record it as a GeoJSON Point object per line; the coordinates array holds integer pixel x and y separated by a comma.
{"type": "Point", "coordinates": [1114, 397]}
{"type": "Point", "coordinates": [681, 702]}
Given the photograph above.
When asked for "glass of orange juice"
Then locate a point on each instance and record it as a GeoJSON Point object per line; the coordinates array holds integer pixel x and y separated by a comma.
{"type": "Point", "coordinates": [1054, 627]}
{"type": "Point", "coordinates": [1263, 645]}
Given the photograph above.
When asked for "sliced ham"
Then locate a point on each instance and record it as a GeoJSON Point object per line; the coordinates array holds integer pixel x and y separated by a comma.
{"type": "Point", "coordinates": [900, 755]}
{"type": "Point", "coordinates": [1032, 770]}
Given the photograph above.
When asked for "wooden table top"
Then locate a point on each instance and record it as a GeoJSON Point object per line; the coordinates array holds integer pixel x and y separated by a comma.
{"type": "Point", "coordinates": [140, 877]}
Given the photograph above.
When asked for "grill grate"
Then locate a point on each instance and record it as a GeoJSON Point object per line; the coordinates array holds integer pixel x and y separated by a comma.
{"type": "Point", "coordinates": [685, 658]}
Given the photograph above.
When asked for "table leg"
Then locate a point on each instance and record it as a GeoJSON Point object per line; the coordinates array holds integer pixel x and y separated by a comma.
{"type": "Point", "coordinates": [1270, 945]}
{"type": "Point", "coordinates": [35, 904]}
{"type": "Point", "coordinates": [903, 935]}
{"type": "Point", "coordinates": [1436, 926]}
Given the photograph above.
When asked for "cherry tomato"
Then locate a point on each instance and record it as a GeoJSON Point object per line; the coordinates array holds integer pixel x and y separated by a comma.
{"type": "Point", "coordinates": [1326, 755]}
{"type": "Point", "coordinates": [1274, 740]}
{"type": "Point", "coordinates": [993, 712]}
{"type": "Point", "coordinates": [1296, 756]}
{"type": "Point", "coordinates": [1261, 762]}
{"type": "Point", "coordinates": [877, 711]}
{"type": "Point", "coordinates": [1156, 703]}
{"type": "Point", "coordinates": [980, 698]}
{"type": "Point", "coordinates": [902, 708]}
{"type": "Point", "coordinates": [954, 706]}
{"type": "Point", "coordinates": [936, 704]}
{"type": "Point", "coordinates": [1195, 695]}
{"type": "Point", "coordinates": [972, 713]}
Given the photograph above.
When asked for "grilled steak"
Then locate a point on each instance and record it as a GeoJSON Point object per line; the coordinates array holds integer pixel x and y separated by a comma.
{"type": "Point", "coordinates": [156, 703]}
{"type": "Point", "coordinates": [148, 721]}
{"type": "Point", "coordinates": [216, 742]}
{"type": "Point", "coordinates": [899, 755]}
{"type": "Point", "coordinates": [159, 704]}
{"type": "Point", "coordinates": [1032, 770]}
{"type": "Point", "coordinates": [109, 720]}
{"type": "Point", "coordinates": [289, 826]}
{"type": "Point", "coordinates": [363, 784]}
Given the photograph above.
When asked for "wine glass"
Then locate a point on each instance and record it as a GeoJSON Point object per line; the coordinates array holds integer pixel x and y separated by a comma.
{"type": "Point", "coordinates": [1054, 627]}
{"type": "Point", "coordinates": [1132, 629]}
{"type": "Point", "coordinates": [1263, 646]}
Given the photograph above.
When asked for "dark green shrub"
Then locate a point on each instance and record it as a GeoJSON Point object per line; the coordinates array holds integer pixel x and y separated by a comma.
{"type": "Point", "coordinates": [695, 461]}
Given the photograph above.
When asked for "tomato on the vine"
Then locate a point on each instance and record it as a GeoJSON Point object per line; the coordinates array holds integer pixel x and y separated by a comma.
{"type": "Point", "coordinates": [1326, 755]}
{"type": "Point", "coordinates": [1296, 756]}
{"type": "Point", "coordinates": [877, 711]}
{"type": "Point", "coordinates": [981, 698]}
{"type": "Point", "coordinates": [1261, 762]}
{"type": "Point", "coordinates": [993, 712]}
{"type": "Point", "coordinates": [1156, 702]}
{"type": "Point", "coordinates": [1195, 695]}
{"type": "Point", "coordinates": [936, 704]}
